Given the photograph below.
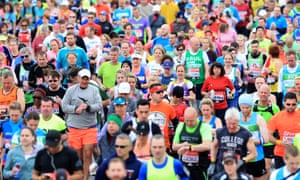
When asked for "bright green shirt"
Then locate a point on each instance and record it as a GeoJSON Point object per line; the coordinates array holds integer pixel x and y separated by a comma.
{"type": "Point", "coordinates": [108, 74]}
{"type": "Point", "coordinates": [205, 131]}
{"type": "Point", "coordinates": [55, 123]}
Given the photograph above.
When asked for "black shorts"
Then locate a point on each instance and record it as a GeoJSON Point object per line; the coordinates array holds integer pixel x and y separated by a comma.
{"type": "Point", "coordinates": [197, 91]}
{"type": "Point", "coordinates": [256, 169]}
{"type": "Point", "coordinates": [269, 151]}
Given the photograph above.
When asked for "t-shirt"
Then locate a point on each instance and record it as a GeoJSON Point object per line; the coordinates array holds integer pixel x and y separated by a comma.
{"type": "Point", "coordinates": [108, 73]}
{"type": "Point", "coordinates": [54, 123]}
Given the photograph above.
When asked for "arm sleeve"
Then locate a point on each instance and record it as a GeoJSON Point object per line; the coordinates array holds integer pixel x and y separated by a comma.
{"type": "Point", "coordinates": [8, 165]}
{"type": "Point", "coordinates": [179, 170]}
{"type": "Point", "coordinates": [143, 172]}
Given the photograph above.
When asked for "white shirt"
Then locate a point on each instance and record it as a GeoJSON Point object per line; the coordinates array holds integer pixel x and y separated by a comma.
{"type": "Point", "coordinates": [285, 174]}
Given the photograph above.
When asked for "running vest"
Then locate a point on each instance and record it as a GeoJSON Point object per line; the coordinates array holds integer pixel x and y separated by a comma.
{"type": "Point", "coordinates": [255, 67]}
{"type": "Point", "coordinates": [280, 174]}
{"type": "Point", "coordinates": [211, 122]}
{"type": "Point", "coordinates": [185, 89]}
{"type": "Point", "coordinates": [167, 172]}
{"type": "Point", "coordinates": [232, 76]}
{"type": "Point", "coordinates": [289, 78]}
{"type": "Point", "coordinates": [24, 74]}
{"type": "Point", "coordinates": [252, 126]}
{"type": "Point", "coordinates": [193, 158]}
{"type": "Point", "coordinates": [195, 68]}
{"type": "Point", "coordinates": [9, 98]}
{"type": "Point", "coordinates": [142, 78]}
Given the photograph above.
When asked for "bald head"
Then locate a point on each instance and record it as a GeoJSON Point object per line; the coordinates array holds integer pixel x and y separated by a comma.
{"type": "Point", "coordinates": [264, 93]}
{"type": "Point", "coordinates": [190, 117]}
{"type": "Point", "coordinates": [195, 44]}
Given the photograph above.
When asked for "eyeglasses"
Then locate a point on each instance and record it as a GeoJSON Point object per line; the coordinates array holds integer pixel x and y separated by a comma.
{"type": "Point", "coordinates": [288, 104]}
{"type": "Point", "coordinates": [158, 92]}
{"type": "Point", "coordinates": [50, 81]}
{"type": "Point", "coordinates": [120, 146]}
{"type": "Point", "coordinates": [70, 28]}
{"type": "Point", "coordinates": [37, 97]}
{"type": "Point", "coordinates": [25, 56]}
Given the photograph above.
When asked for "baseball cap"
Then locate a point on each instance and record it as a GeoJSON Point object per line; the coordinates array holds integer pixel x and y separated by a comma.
{"type": "Point", "coordinates": [167, 64]}
{"type": "Point", "coordinates": [120, 101]}
{"type": "Point", "coordinates": [103, 13]}
{"type": "Point", "coordinates": [180, 14]}
{"type": "Point", "coordinates": [246, 99]}
{"type": "Point", "coordinates": [156, 8]}
{"type": "Point", "coordinates": [62, 174]}
{"type": "Point", "coordinates": [124, 87]}
{"type": "Point", "coordinates": [188, 6]}
{"type": "Point", "coordinates": [142, 128]}
{"type": "Point", "coordinates": [84, 72]}
{"type": "Point", "coordinates": [115, 118]}
{"type": "Point", "coordinates": [53, 138]}
{"type": "Point", "coordinates": [136, 56]}
{"type": "Point", "coordinates": [229, 156]}
{"type": "Point", "coordinates": [121, 34]}
{"type": "Point", "coordinates": [65, 3]}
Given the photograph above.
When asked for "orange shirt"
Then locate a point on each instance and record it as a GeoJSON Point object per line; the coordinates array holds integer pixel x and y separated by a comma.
{"type": "Point", "coordinates": [142, 153]}
{"type": "Point", "coordinates": [102, 7]}
{"type": "Point", "coordinates": [95, 26]}
{"type": "Point", "coordinates": [287, 124]}
{"type": "Point", "coordinates": [161, 114]}
{"type": "Point", "coordinates": [5, 100]}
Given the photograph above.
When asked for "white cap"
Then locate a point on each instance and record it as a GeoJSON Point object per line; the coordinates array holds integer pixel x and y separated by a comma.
{"type": "Point", "coordinates": [262, 12]}
{"type": "Point", "coordinates": [92, 9]}
{"type": "Point", "coordinates": [156, 8]}
{"type": "Point", "coordinates": [65, 3]}
{"type": "Point", "coordinates": [136, 56]}
{"type": "Point", "coordinates": [124, 87]}
{"type": "Point", "coordinates": [84, 72]}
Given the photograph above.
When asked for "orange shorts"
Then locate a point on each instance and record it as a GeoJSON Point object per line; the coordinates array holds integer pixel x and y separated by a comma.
{"type": "Point", "coordinates": [79, 137]}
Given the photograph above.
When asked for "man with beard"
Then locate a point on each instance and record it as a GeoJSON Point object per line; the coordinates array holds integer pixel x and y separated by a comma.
{"type": "Point", "coordinates": [82, 59]}
{"type": "Point", "coordinates": [287, 123]}
{"type": "Point", "coordinates": [256, 61]}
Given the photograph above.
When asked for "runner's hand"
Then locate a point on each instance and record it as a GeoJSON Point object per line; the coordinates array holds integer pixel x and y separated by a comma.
{"type": "Point", "coordinates": [211, 169]}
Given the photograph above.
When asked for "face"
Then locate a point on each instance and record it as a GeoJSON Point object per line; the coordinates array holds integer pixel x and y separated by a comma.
{"type": "Point", "coordinates": [120, 78]}
{"type": "Point", "coordinates": [180, 72]}
{"type": "Point", "coordinates": [122, 147]}
{"type": "Point", "coordinates": [91, 18]}
{"type": "Point", "coordinates": [290, 105]}
{"type": "Point", "coordinates": [264, 93]}
{"type": "Point", "coordinates": [254, 48]}
{"type": "Point", "coordinates": [54, 45]}
{"type": "Point", "coordinates": [71, 58]}
{"type": "Point", "coordinates": [15, 115]}
{"type": "Point", "coordinates": [24, 25]}
{"type": "Point", "coordinates": [136, 62]}
{"type": "Point", "coordinates": [7, 83]}
{"type": "Point", "coordinates": [245, 109]}
{"type": "Point", "coordinates": [112, 127]}
{"type": "Point", "coordinates": [32, 124]}
{"type": "Point", "coordinates": [125, 48]}
{"type": "Point", "coordinates": [26, 137]}
{"type": "Point", "coordinates": [260, 33]}
{"type": "Point", "coordinates": [158, 148]}
{"type": "Point", "coordinates": [70, 28]}
{"type": "Point", "coordinates": [172, 38]}
{"type": "Point", "coordinates": [157, 96]}
{"type": "Point", "coordinates": [291, 59]}
{"type": "Point", "coordinates": [205, 44]}
{"type": "Point", "coordinates": [120, 109]}
{"type": "Point", "coordinates": [53, 82]}
{"type": "Point", "coordinates": [25, 56]}
{"type": "Point", "coordinates": [132, 82]}
{"type": "Point", "coordinates": [297, 85]}
{"type": "Point", "coordinates": [240, 40]}
{"type": "Point", "coordinates": [277, 11]}
{"type": "Point", "coordinates": [126, 67]}
{"type": "Point", "coordinates": [46, 108]}
{"type": "Point", "coordinates": [42, 60]}
{"type": "Point", "coordinates": [71, 40]}
{"type": "Point", "coordinates": [114, 56]}
{"type": "Point", "coordinates": [230, 167]}
{"type": "Point", "coordinates": [195, 44]}
{"type": "Point", "coordinates": [232, 125]}
{"type": "Point", "coordinates": [158, 54]}
{"type": "Point", "coordinates": [37, 97]}
{"type": "Point", "coordinates": [206, 110]}
{"type": "Point", "coordinates": [84, 82]}
{"type": "Point", "coordinates": [292, 163]}
{"type": "Point", "coordinates": [259, 82]}
{"type": "Point", "coordinates": [190, 119]}
{"type": "Point", "coordinates": [142, 112]}
{"type": "Point", "coordinates": [216, 71]}
{"type": "Point", "coordinates": [139, 46]}
{"type": "Point", "coordinates": [228, 59]}
{"type": "Point", "coordinates": [116, 171]}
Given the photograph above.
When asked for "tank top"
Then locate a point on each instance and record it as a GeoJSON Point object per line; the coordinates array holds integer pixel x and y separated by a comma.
{"type": "Point", "coordinates": [194, 64]}
{"type": "Point", "coordinates": [167, 172]}
{"type": "Point", "coordinates": [5, 100]}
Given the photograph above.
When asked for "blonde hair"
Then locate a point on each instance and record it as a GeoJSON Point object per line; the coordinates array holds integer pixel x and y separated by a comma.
{"type": "Point", "coordinates": [207, 101]}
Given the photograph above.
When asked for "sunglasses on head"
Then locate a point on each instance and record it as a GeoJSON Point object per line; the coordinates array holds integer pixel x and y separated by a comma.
{"type": "Point", "coordinates": [25, 56]}
{"type": "Point", "coordinates": [120, 146]}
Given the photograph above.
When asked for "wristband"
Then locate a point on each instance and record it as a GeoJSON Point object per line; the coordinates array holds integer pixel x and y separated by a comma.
{"type": "Point", "coordinates": [213, 160]}
{"type": "Point", "coordinates": [278, 142]}
{"type": "Point", "coordinates": [246, 159]}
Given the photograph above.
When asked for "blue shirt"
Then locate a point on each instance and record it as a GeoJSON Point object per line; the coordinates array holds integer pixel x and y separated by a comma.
{"type": "Point", "coordinates": [164, 42]}
{"type": "Point", "coordinates": [119, 13]}
{"type": "Point", "coordinates": [82, 59]}
{"type": "Point", "coordinates": [280, 23]}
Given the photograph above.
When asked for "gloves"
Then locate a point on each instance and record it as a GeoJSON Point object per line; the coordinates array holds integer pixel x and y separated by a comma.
{"type": "Point", "coordinates": [93, 168]}
{"type": "Point", "coordinates": [211, 169]}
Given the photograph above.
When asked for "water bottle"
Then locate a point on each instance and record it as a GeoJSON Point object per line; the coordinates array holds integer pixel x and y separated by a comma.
{"type": "Point", "coordinates": [212, 94]}
{"type": "Point", "coordinates": [17, 175]}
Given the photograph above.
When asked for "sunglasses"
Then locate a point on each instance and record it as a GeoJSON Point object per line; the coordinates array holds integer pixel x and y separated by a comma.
{"type": "Point", "coordinates": [158, 92]}
{"type": "Point", "coordinates": [180, 49]}
{"type": "Point", "coordinates": [25, 56]}
{"type": "Point", "coordinates": [288, 104]}
{"type": "Point", "coordinates": [50, 81]}
{"type": "Point", "coordinates": [37, 97]}
{"type": "Point", "coordinates": [70, 28]}
{"type": "Point", "coordinates": [24, 25]}
{"type": "Point", "coordinates": [120, 146]}
{"type": "Point", "coordinates": [72, 16]}
{"type": "Point", "coordinates": [90, 17]}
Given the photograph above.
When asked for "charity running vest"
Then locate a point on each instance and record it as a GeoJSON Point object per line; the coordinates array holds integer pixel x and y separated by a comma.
{"type": "Point", "coordinates": [167, 172]}
{"type": "Point", "coordinates": [255, 67]}
{"type": "Point", "coordinates": [194, 66]}
{"type": "Point", "coordinates": [252, 126]}
{"type": "Point", "coordinates": [289, 78]}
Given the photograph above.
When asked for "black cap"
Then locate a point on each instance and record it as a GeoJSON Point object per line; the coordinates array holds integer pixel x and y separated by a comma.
{"type": "Point", "coordinates": [142, 128]}
{"type": "Point", "coordinates": [229, 156]}
{"type": "Point", "coordinates": [53, 138]}
{"type": "Point", "coordinates": [62, 174]}
{"type": "Point", "coordinates": [280, 43]}
{"type": "Point", "coordinates": [121, 34]}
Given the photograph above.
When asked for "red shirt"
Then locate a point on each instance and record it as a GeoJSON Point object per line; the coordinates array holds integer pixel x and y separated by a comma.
{"type": "Point", "coordinates": [95, 26]}
{"type": "Point", "coordinates": [219, 85]}
{"type": "Point", "coordinates": [244, 13]}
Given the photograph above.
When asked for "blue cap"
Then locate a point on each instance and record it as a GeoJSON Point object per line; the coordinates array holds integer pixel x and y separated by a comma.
{"type": "Point", "coordinates": [104, 13]}
{"type": "Point", "coordinates": [246, 99]}
{"type": "Point", "coordinates": [167, 64]}
{"type": "Point", "coordinates": [188, 6]}
{"type": "Point", "coordinates": [180, 14]}
{"type": "Point", "coordinates": [120, 101]}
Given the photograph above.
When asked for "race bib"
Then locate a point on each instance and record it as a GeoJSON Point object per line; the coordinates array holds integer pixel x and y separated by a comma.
{"type": "Point", "coordinates": [289, 83]}
{"type": "Point", "coordinates": [138, 32]}
{"type": "Point", "coordinates": [190, 157]}
{"type": "Point", "coordinates": [219, 96]}
{"type": "Point", "coordinates": [194, 72]}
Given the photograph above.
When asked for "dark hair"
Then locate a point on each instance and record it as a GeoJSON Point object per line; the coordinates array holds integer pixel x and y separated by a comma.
{"type": "Point", "coordinates": [128, 63]}
{"type": "Point", "coordinates": [178, 92]}
{"type": "Point", "coordinates": [142, 102]}
{"type": "Point", "coordinates": [217, 65]}
{"type": "Point", "coordinates": [180, 45]}
{"type": "Point", "coordinates": [127, 24]}
{"type": "Point", "coordinates": [10, 6]}
{"type": "Point", "coordinates": [260, 27]}
{"type": "Point", "coordinates": [234, 45]}
{"type": "Point", "coordinates": [47, 99]}
{"type": "Point", "coordinates": [71, 34]}
{"type": "Point", "coordinates": [54, 73]}
{"type": "Point", "coordinates": [113, 35]}
{"type": "Point", "coordinates": [290, 52]}
{"type": "Point", "coordinates": [274, 51]}
{"type": "Point", "coordinates": [32, 115]}
{"type": "Point", "coordinates": [254, 41]}
{"type": "Point", "coordinates": [73, 72]}
{"type": "Point", "coordinates": [291, 150]}
{"type": "Point", "coordinates": [141, 41]}
{"type": "Point", "coordinates": [290, 95]}
{"type": "Point", "coordinates": [166, 57]}
{"type": "Point", "coordinates": [225, 48]}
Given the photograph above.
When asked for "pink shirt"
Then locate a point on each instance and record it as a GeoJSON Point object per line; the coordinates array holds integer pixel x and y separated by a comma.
{"type": "Point", "coordinates": [226, 38]}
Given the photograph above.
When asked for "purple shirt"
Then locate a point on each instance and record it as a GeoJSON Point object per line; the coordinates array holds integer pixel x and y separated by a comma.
{"type": "Point", "coordinates": [139, 26]}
